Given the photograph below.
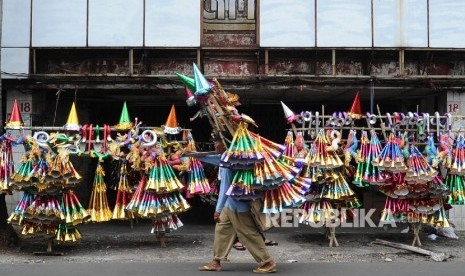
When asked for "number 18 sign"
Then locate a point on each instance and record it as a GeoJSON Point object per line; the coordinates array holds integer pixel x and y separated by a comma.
{"type": "Point", "coordinates": [25, 107]}
{"type": "Point", "coordinates": [453, 107]}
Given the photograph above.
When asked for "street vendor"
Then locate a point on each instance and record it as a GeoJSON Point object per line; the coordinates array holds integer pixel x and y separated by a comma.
{"type": "Point", "coordinates": [233, 218]}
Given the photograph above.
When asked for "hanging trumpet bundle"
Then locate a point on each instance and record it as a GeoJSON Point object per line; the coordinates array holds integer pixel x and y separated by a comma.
{"type": "Point", "coordinates": [6, 165]}
{"type": "Point", "coordinates": [395, 210]}
{"type": "Point", "coordinates": [437, 188]}
{"type": "Point", "coordinates": [456, 186]}
{"type": "Point", "coordinates": [136, 199]}
{"type": "Point", "coordinates": [320, 212]}
{"type": "Point", "coordinates": [30, 229]}
{"type": "Point", "coordinates": [45, 210]}
{"type": "Point", "coordinates": [166, 224]}
{"type": "Point", "coordinates": [366, 172]}
{"type": "Point", "coordinates": [241, 186]}
{"type": "Point", "coordinates": [73, 212]}
{"type": "Point", "coordinates": [267, 174]}
{"type": "Point", "coordinates": [123, 195]}
{"type": "Point", "coordinates": [243, 150]}
{"type": "Point", "coordinates": [62, 170]}
{"type": "Point", "coordinates": [390, 158]}
{"type": "Point", "coordinates": [98, 209]}
{"type": "Point", "coordinates": [162, 178]}
{"type": "Point", "coordinates": [323, 153]}
{"type": "Point", "coordinates": [350, 150]}
{"type": "Point", "coordinates": [419, 170]}
{"type": "Point", "coordinates": [291, 149]}
{"type": "Point", "coordinates": [336, 187]}
{"type": "Point", "coordinates": [315, 193]}
{"type": "Point", "coordinates": [275, 149]}
{"type": "Point", "coordinates": [458, 157]}
{"type": "Point", "coordinates": [197, 183]}
{"type": "Point", "coordinates": [439, 218]}
{"type": "Point", "coordinates": [22, 178]}
{"type": "Point", "coordinates": [24, 202]}
{"type": "Point", "coordinates": [48, 204]}
{"type": "Point", "coordinates": [67, 234]}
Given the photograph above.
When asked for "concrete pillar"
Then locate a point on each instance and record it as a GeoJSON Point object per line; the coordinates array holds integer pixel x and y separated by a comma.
{"type": "Point", "coordinates": [25, 105]}
{"type": "Point", "coordinates": [456, 105]}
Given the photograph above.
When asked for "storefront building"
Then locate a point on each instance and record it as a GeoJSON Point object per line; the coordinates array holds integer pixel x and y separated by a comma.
{"type": "Point", "coordinates": [401, 55]}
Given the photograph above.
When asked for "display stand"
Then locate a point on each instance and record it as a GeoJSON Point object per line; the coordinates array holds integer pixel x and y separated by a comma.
{"type": "Point", "coordinates": [49, 251]}
{"type": "Point", "coordinates": [331, 235]}
{"type": "Point", "coordinates": [416, 227]}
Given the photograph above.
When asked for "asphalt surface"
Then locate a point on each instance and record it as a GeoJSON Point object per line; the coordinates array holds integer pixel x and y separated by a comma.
{"type": "Point", "coordinates": [320, 269]}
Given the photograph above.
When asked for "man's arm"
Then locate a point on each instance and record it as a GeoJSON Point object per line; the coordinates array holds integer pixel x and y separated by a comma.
{"type": "Point", "coordinates": [213, 159]}
{"type": "Point", "coordinates": [226, 179]}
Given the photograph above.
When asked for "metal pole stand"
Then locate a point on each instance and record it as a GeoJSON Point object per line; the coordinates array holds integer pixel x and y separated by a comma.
{"type": "Point", "coordinates": [161, 239]}
{"type": "Point", "coordinates": [49, 251]}
{"type": "Point", "coordinates": [416, 230]}
{"type": "Point", "coordinates": [331, 234]}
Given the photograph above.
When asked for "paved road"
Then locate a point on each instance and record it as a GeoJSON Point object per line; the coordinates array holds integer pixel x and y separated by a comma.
{"type": "Point", "coordinates": [189, 269]}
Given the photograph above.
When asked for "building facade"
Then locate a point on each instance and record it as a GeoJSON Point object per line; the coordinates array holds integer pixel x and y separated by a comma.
{"type": "Point", "coordinates": [403, 55]}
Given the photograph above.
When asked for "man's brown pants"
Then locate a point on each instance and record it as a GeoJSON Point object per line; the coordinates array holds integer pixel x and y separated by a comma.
{"type": "Point", "coordinates": [242, 224]}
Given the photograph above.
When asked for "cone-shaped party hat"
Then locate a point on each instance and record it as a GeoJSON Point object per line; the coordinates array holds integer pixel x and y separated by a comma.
{"type": "Point", "coordinates": [201, 84]}
{"type": "Point", "coordinates": [356, 109]}
{"type": "Point", "coordinates": [73, 122]}
{"type": "Point", "coordinates": [290, 115]}
{"type": "Point", "coordinates": [188, 82]}
{"type": "Point", "coordinates": [190, 99]}
{"type": "Point", "coordinates": [171, 125]}
{"type": "Point", "coordinates": [124, 120]}
{"type": "Point", "coordinates": [15, 121]}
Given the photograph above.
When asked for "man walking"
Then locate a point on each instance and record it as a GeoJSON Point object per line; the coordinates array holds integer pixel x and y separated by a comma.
{"type": "Point", "coordinates": [233, 218]}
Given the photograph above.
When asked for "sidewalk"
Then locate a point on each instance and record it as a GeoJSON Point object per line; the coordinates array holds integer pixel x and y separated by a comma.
{"type": "Point", "coordinates": [117, 242]}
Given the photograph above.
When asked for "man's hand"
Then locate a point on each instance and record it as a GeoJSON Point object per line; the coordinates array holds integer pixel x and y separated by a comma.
{"type": "Point", "coordinates": [216, 217]}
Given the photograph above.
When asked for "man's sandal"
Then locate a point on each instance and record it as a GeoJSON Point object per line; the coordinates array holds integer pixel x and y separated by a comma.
{"type": "Point", "coordinates": [239, 246]}
{"type": "Point", "coordinates": [270, 243]}
{"type": "Point", "coordinates": [265, 270]}
{"type": "Point", "coordinates": [209, 268]}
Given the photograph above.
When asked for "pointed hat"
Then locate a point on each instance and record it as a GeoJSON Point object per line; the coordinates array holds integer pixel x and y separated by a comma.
{"type": "Point", "coordinates": [190, 99]}
{"type": "Point", "coordinates": [189, 82]}
{"type": "Point", "coordinates": [171, 125]}
{"type": "Point", "coordinates": [201, 84]}
{"type": "Point", "coordinates": [15, 121]}
{"type": "Point", "coordinates": [73, 122]}
{"type": "Point", "coordinates": [356, 109]}
{"type": "Point", "coordinates": [290, 115]}
{"type": "Point", "coordinates": [124, 120]}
